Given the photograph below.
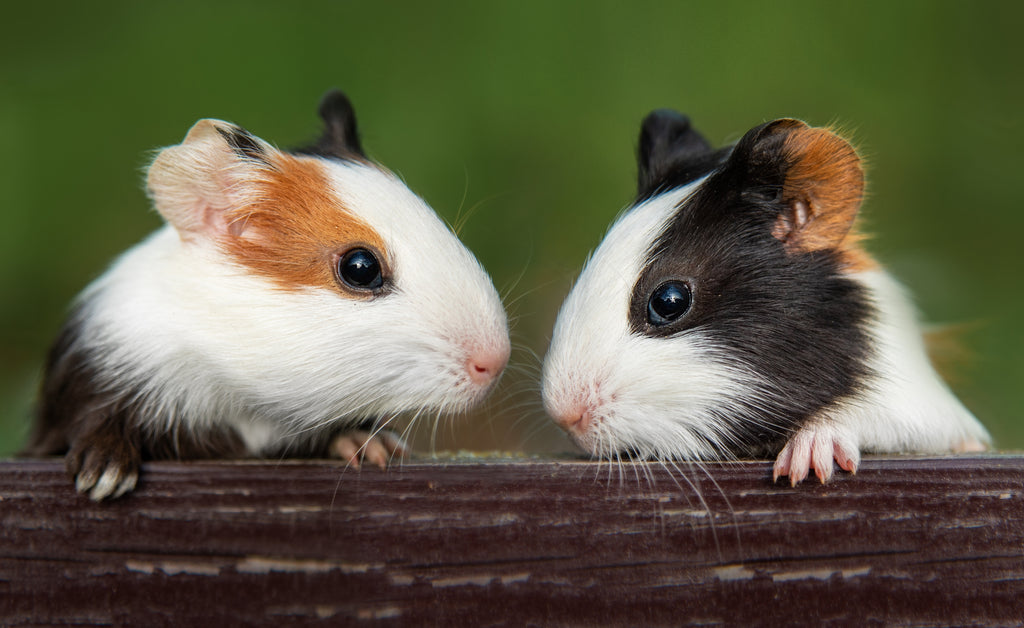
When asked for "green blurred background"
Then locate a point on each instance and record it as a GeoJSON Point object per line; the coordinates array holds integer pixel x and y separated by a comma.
{"type": "Point", "coordinates": [524, 115]}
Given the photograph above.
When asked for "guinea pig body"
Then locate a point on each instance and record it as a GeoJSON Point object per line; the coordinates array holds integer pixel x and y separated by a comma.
{"type": "Point", "coordinates": [291, 300]}
{"type": "Point", "coordinates": [732, 312]}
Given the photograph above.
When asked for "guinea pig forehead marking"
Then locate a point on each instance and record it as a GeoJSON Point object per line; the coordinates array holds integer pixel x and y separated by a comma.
{"type": "Point", "coordinates": [292, 225]}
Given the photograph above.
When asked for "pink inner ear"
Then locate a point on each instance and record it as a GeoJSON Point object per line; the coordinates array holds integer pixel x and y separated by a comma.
{"type": "Point", "coordinates": [215, 205]}
{"type": "Point", "coordinates": [796, 216]}
{"type": "Point", "coordinates": [801, 213]}
{"type": "Point", "coordinates": [216, 222]}
{"type": "Point", "coordinates": [237, 227]}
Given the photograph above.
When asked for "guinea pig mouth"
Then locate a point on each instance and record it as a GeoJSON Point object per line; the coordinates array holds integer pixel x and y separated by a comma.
{"type": "Point", "coordinates": [475, 396]}
{"type": "Point", "coordinates": [467, 394]}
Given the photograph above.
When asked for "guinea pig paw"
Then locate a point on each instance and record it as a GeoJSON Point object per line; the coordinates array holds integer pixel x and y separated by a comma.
{"type": "Point", "coordinates": [969, 446]}
{"type": "Point", "coordinates": [815, 448]}
{"type": "Point", "coordinates": [104, 472]}
{"type": "Point", "coordinates": [375, 447]}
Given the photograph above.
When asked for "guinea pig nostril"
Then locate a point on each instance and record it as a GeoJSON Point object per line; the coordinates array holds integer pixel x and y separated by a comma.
{"type": "Point", "coordinates": [576, 420]}
{"type": "Point", "coordinates": [479, 373]}
{"type": "Point", "coordinates": [483, 368]}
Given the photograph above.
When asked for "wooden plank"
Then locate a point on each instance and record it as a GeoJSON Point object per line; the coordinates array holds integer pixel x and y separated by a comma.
{"type": "Point", "coordinates": [908, 540]}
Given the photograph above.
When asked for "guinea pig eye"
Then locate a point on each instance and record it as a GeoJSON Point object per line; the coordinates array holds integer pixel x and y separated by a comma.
{"type": "Point", "coordinates": [360, 269]}
{"type": "Point", "coordinates": [668, 302]}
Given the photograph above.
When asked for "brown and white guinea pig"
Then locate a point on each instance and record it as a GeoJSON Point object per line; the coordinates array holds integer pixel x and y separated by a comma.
{"type": "Point", "coordinates": [294, 303]}
{"type": "Point", "coordinates": [732, 312]}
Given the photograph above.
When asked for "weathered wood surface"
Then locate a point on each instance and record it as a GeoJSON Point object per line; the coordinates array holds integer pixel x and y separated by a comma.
{"type": "Point", "coordinates": [922, 541]}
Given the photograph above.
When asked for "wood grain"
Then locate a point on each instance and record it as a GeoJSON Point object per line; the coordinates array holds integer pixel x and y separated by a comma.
{"type": "Point", "coordinates": [552, 543]}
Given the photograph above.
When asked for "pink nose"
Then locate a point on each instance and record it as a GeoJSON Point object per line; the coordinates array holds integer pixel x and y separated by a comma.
{"type": "Point", "coordinates": [485, 366]}
{"type": "Point", "coordinates": [576, 419]}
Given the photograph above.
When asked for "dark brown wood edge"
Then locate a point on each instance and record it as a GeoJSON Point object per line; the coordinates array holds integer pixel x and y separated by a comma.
{"type": "Point", "coordinates": [907, 540]}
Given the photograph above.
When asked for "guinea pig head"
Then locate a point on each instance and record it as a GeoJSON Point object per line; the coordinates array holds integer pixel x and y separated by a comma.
{"type": "Point", "coordinates": [333, 291]}
{"type": "Point", "coordinates": [718, 313]}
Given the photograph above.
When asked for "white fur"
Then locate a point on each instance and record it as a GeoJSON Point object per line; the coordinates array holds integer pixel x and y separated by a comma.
{"type": "Point", "coordinates": [667, 397]}
{"type": "Point", "coordinates": [906, 407]}
{"type": "Point", "coordinates": [208, 341]}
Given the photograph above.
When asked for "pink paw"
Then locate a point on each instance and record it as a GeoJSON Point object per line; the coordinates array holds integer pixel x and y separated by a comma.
{"type": "Point", "coordinates": [815, 448]}
{"type": "Point", "coordinates": [378, 447]}
{"type": "Point", "coordinates": [970, 447]}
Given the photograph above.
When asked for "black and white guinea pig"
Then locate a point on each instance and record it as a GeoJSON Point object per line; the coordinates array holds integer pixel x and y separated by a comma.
{"type": "Point", "coordinates": [731, 311]}
{"type": "Point", "coordinates": [294, 303]}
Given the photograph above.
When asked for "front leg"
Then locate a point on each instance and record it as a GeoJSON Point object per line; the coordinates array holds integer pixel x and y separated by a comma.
{"type": "Point", "coordinates": [104, 457]}
{"type": "Point", "coordinates": [815, 446]}
{"type": "Point", "coordinates": [376, 445]}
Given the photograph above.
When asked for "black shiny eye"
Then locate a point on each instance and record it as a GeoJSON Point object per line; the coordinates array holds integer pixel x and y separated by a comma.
{"type": "Point", "coordinates": [668, 302]}
{"type": "Point", "coordinates": [360, 269]}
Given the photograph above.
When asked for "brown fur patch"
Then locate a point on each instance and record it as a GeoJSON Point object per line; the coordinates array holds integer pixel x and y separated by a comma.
{"type": "Point", "coordinates": [295, 227]}
{"type": "Point", "coordinates": [823, 190]}
{"type": "Point", "coordinates": [853, 255]}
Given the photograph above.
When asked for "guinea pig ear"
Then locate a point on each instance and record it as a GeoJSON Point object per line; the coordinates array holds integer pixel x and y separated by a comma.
{"type": "Point", "coordinates": [340, 137]}
{"type": "Point", "coordinates": [194, 184]}
{"type": "Point", "coordinates": [668, 145]}
{"type": "Point", "coordinates": [817, 180]}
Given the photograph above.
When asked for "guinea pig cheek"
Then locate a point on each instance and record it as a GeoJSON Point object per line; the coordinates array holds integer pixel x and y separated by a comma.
{"type": "Point", "coordinates": [668, 402]}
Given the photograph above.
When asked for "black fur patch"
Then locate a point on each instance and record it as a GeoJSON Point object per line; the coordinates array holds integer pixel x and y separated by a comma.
{"type": "Point", "coordinates": [340, 138]}
{"type": "Point", "coordinates": [671, 154]}
{"type": "Point", "coordinates": [243, 143]}
{"type": "Point", "coordinates": [81, 418]}
{"type": "Point", "coordinates": [793, 319]}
